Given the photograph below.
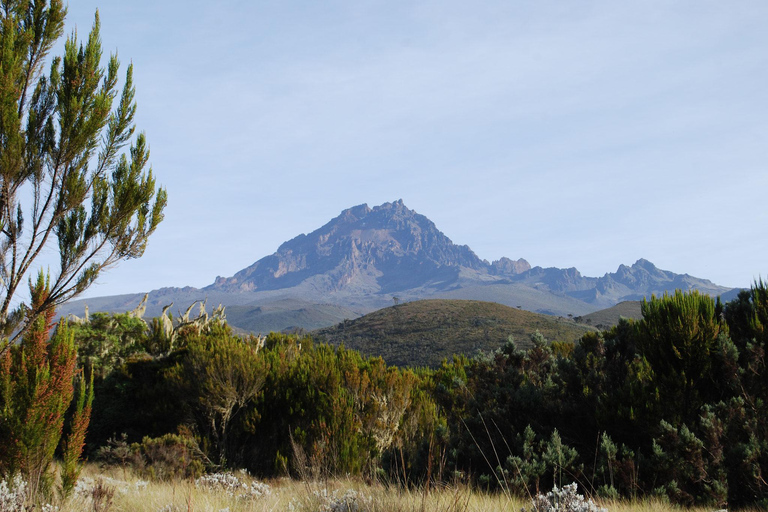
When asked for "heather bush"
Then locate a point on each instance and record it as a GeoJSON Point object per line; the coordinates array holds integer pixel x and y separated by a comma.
{"type": "Point", "coordinates": [340, 412]}
{"type": "Point", "coordinates": [167, 457]}
{"type": "Point", "coordinates": [540, 459]}
{"type": "Point", "coordinates": [106, 341]}
{"type": "Point", "coordinates": [222, 377]}
{"type": "Point", "coordinates": [140, 398]}
{"type": "Point", "coordinates": [615, 469]}
{"type": "Point", "coordinates": [37, 387]}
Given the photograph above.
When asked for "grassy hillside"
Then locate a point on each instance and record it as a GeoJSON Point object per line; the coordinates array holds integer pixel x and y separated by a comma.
{"type": "Point", "coordinates": [606, 318]}
{"type": "Point", "coordinates": [527, 297]}
{"type": "Point", "coordinates": [423, 333]}
{"type": "Point", "coordinates": [286, 314]}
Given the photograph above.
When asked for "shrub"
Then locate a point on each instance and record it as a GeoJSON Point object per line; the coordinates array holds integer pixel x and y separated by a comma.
{"type": "Point", "coordinates": [36, 389]}
{"type": "Point", "coordinates": [224, 376]}
{"type": "Point", "coordinates": [234, 486]}
{"type": "Point", "coordinates": [565, 499]}
{"type": "Point", "coordinates": [167, 457]}
{"type": "Point", "coordinates": [13, 496]}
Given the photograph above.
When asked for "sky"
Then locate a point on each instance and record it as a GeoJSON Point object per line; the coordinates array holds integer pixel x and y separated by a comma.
{"type": "Point", "coordinates": [582, 134]}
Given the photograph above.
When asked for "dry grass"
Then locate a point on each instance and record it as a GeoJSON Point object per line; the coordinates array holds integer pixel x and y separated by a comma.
{"type": "Point", "coordinates": [133, 494]}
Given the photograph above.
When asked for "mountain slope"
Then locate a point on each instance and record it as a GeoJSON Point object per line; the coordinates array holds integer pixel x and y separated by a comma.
{"type": "Point", "coordinates": [286, 314]}
{"type": "Point", "coordinates": [423, 333]}
{"type": "Point", "coordinates": [363, 250]}
{"type": "Point", "coordinates": [365, 258]}
{"type": "Point", "coordinates": [606, 318]}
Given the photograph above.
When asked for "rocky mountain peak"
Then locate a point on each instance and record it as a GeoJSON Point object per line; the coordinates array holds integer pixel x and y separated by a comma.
{"type": "Point", "coordinates": [644, 264]}
{"type": "Point", "coordinates": [506, 266]}
{"type": "Point", "coordinates": [380, 249]}
{"type": "Point", "coordinates": [355, 213]}
{"type": "Point", "coordinates": [371, 253]}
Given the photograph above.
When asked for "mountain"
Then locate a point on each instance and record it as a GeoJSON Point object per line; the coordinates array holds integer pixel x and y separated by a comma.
{"type": "Point", "coordinates": [386, 249]}
{"type": "Point", "coordinates": [367, 258]}
{"type": "Point", "coordinates": [642, 279]}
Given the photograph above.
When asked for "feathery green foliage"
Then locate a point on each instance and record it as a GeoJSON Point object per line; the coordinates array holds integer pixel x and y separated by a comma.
{"type": "Point", "coordinates": [64, 178]}
{"type": "Point", "coordinates": [37, 388]}
{"type": "Point", "coordinates": [679, 337]}
{"type": "Point", "coordinates": [224, 375]}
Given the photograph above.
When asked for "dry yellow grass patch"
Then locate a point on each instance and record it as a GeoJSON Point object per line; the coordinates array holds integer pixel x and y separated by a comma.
{"type": "Point", "coordinates": [116, 491]}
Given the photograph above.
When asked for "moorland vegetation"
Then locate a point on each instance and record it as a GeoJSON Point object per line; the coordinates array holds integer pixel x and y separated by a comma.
{"type": "Point", "coordinates": [671, 406]}
{"type": "Point", "coordinates": [424, 332]}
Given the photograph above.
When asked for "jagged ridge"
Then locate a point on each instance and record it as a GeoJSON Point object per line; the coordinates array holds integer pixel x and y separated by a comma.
{"type": "Point", "coordinates": [384, 249]}
{"type": "Point", "coordinates": [365, 257]}
{"type": "Point", "coordinates": [391, 249]}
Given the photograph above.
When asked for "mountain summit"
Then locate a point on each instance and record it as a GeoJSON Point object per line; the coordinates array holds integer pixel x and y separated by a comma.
{"type": "Point", "coordinates": [384, 249]}
{"type": "Point", "coordinates": [366, 257]}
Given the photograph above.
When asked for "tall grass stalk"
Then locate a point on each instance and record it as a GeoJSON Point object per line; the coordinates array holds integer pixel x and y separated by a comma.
{"type": "Point", "coordinates": [133, 494]}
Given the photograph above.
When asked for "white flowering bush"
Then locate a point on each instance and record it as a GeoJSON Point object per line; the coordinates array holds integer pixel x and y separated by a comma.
{"type": "Point", "coordinates": [232, 485]}
{"type": "Point", "coordinates": [12, 497]}
{"type": "Point", "coordinates": [324, 501]}
{"type": "Point", "coordinates": [83, 487]}
{"type": "Point", "coordinates": [350, 501]}
{"type": "Point", "coordinates": [139, 486]}
{"type": "Point", "coordinates": [566, 499]}
{"type": "Point", "coordinates": [176, 508]}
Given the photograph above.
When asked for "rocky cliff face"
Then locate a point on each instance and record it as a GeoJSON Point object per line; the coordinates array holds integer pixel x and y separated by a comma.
{"type": "Point", "coordinates": [382, 249]}
{"type": "Point", "coordinates": [642, 279]}
{"type": "Point", "coordinates": [506, 266]}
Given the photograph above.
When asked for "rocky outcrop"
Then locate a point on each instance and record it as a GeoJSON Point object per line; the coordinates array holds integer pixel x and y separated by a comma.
{"type": "Point", "coordinates": [381, 249]}
{"type": "Point", "coordinates": [506, 266]}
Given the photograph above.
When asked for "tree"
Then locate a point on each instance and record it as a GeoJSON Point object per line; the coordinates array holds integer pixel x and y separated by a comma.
{"type": "Point", "coordinates": [679, 336]}
{"type": "Point", "coordinates": [65, 178]}
{"type": "Point", "coordinates": [225, 375]}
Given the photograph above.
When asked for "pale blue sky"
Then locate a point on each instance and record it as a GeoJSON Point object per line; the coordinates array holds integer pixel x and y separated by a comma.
{"type": "Point", "coordinates": [585, 134]}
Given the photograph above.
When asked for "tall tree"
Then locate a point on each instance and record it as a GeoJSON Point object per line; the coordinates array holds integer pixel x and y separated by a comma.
{"type": "Point", "coordinates": [679, 336]}
{"type": "Point", "coordinates": [65, 179]}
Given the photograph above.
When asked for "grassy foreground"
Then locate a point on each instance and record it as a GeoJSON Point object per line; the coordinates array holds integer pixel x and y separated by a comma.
{"type": "Point", "coordinates": [118, 490]}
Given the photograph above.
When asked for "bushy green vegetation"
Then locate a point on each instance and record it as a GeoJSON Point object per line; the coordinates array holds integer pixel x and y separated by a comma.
{"type": "Point", "coordinates": [39, 383]}
{"type": "Point", "coordinates": [275, 405]}
{"type": "Point", "coordinates": [671, 406]}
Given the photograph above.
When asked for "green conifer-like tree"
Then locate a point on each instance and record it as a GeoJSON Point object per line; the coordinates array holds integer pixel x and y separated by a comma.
{"type": "Point", "coordinates": [65, 179]}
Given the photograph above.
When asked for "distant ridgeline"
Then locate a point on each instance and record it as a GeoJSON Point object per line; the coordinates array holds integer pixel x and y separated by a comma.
{"type": "Point", "coordinates": [368, 258]}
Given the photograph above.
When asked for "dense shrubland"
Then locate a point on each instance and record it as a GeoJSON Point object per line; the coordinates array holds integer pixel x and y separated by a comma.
{"type": "Point", "coordinates": [673, 405]}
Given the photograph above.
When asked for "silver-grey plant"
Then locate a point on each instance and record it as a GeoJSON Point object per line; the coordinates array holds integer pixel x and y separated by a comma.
{"type": "Point", "coordinates": [565, 499]}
